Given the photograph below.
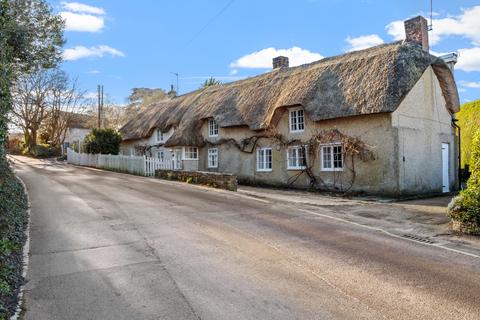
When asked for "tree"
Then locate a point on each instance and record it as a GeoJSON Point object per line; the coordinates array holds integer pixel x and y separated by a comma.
{"type": "Point", "coordinates": [31, 98]}
{"type": "Point", "coordinates": [31, 36]}
{"type": "Point", "coordinates": [65, 103]}
{"type": "Point", "coordinates": [104, 141]}
{"type": "Point", "coordinates": [211, 82]}
{"type": "Point", "coordinates": [469, 121]}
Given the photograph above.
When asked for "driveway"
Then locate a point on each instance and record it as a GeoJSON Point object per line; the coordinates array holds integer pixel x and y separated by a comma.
{"type": "Point", "coordinates": [106, 245]}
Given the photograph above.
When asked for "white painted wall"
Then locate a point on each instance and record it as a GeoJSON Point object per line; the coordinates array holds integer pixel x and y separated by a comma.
{"type": "Point", "coordinates": [423, 123]}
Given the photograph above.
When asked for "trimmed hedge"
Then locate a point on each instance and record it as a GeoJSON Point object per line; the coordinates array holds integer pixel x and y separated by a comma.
{"type": "Point", "coordinates": [13, 222]}
{"type": "Point", "coordinates": [465, 209]}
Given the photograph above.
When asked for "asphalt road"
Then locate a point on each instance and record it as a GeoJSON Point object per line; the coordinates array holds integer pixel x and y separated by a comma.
{"type": "Point", "coordinates": [106, 245]}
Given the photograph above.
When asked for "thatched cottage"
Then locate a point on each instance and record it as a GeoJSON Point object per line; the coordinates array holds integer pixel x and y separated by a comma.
{"type": "Point", "coordinates": [379, 120]}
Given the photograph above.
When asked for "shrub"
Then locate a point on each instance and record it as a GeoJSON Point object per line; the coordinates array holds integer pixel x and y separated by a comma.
{"type": "Point", "coordinates": [465, 209]}
{"type": "Point", "coordinates": [13, 221]}
{"type": "Point", "coordinates": [14, 145]}
{"type": "Point", "coordinates": [42, 151]}
{"type": "Point", "coordinates": [104, 141]}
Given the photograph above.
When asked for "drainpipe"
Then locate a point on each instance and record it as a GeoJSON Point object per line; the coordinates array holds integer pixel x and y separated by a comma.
{"type": "Point", "coordinates": [454, 123]}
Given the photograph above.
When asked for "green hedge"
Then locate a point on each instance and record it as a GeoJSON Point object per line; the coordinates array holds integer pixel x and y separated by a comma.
{"type": "Point", "coordinates": [13, 222]}
{"type": "Point", "coordinates": [42, 151]}
{"type": "Point", "coordinates": [465, 209]}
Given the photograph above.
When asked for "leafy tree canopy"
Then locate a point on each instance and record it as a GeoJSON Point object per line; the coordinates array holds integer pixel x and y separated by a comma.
{"type": "Point", "coordinates": [104, 141]}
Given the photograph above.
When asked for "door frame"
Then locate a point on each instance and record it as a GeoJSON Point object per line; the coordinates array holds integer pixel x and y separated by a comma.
{"type": "Point", "coordinates": [445, 167]}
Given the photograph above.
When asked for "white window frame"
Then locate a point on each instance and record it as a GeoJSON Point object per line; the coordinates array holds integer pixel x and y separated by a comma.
{"type": "Point", "coordinates": [160, 136]}
{"type": "Point", "coordinates": [190, 153]}
{"type": "Point", "coordinates": [262, 165]}
{"type": "Point", "coordinates": [161, 155]}
{"type": "Point", "coordinates": [297, 166]}
{"type": "Point", "coordinates": [330, 148]}
{"type": "Point", "coordinates": [212, 128]}
{"type": "Point", "coordinates": [293, 120]}
{"type": "Point", "coordinates": [212, 152]}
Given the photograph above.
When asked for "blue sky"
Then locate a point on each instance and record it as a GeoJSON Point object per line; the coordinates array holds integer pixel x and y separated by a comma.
{"type": "Point", "coordinates": [126, 44]}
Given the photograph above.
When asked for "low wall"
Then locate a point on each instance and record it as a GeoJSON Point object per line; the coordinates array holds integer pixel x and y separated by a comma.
{"type": "Point", "coordinates": [212, 179]}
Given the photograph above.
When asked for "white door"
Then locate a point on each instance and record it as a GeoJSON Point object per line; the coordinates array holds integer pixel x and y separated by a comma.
{"type": "Point", "coordinates": [178, 159]}
{"type": "Point", "coordinates": [445, 167]}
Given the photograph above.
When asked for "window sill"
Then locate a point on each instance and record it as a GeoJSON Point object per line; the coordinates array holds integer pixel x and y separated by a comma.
{"type": "Point", "coordinates": [296, 168]}
{"type": "Point", "coordinates": [331, 170]}
{"type": "Point", "coordinates": [215, 136]}
{"type": "Point", "coordinates": [264, 170]}
{"type": "Point", "coordinates": [297, 131]}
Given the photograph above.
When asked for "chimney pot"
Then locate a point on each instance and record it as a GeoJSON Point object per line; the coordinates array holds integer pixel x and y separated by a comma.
{"type": "Point", "coordinates": [416, 31]}
{"type": "Point", "coordinates": [280, 62]}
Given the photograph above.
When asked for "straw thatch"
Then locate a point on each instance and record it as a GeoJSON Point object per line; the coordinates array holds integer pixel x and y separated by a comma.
{"type": "Point", "coordinates": [370, 81]}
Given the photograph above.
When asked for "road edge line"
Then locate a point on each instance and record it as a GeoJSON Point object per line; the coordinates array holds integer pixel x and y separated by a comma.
{"type": "Point", "coordinates": [390, 233]}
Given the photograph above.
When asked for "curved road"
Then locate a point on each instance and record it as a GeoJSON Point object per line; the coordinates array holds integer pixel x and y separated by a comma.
{"type": "Point", "coordinates": [106, 245]}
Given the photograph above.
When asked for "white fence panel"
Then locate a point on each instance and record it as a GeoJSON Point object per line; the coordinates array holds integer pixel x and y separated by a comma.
{"type": "Point", "coordinates": [139, 165]}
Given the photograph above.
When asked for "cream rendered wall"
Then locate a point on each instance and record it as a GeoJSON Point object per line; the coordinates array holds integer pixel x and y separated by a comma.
{"type": "Point", "coordinates": [128, 147]}
{"type": "Point", "coordinates": [423, 123]}
{"type": "Point", "coordinates": [374, 176]}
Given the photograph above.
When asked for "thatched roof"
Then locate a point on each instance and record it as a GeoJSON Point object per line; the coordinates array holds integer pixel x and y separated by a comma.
{"type": "Point", "coordinates": [374, 80]}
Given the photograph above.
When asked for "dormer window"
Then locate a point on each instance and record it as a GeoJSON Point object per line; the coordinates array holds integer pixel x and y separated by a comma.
{"type": "Point", "coordinates": [212, 128]}
{"type": "Point", "coordinates": [160, 136]}
{"type": "Point", "coordinates": [297, 120]}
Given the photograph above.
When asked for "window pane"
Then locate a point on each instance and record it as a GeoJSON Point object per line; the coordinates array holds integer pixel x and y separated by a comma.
{"type": "Point", "coordinates": [293, 120]}
{"type": "Point", "coordinates": [268, 157]}
{"type": "Point", "coordinates": [300, 121]}
{"type": "Point", "coordinates": [337, 157]}
{"type": "Point", "coordinates": [327, 157]}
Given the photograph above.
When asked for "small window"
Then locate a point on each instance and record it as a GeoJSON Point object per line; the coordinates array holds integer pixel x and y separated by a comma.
{"type": "Point", "coordinates": [161, 156]}
{"type": "Point", "coordinates": [264, 159]}
{"type": "Point", "coordinates": [159, 136]}
{"type": "Point", "coordinates": [332, 157]}
{"type": "Point", "coordinates": [297, 157]}
{"type": "Point", "coordinates": [213, 158]}
{"type": "Point", "coordinates": [191, 153]}
{"type": "Point", "coordinates": [212, 128]}
{"type": "Point", "coordinates": [297, 120]}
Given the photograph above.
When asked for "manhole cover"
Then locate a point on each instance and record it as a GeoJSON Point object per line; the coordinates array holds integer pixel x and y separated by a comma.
{"type": "Point", "coordinates": [418, 238]}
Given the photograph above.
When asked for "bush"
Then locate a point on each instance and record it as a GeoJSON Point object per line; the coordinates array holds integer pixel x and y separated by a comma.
{"type": "Point", "coordinates": [42, 151]}
{"type": "Point", "coordinates": [14, 145]}
{"type": "Point", "coordinates": [465, 209]}
{"type": "Point", "coordinates": [13, 222]}
{"type": "Point", "coordinates": [104, 141]}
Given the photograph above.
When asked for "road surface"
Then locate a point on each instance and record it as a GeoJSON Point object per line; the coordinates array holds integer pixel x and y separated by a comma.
{"type": "Point", "coordinates": [107, 245]}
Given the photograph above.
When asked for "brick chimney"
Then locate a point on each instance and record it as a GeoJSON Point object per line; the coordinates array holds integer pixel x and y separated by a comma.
{"type": "Point", "coordinates": [416, 31]}
{"type": "Point", "coordinates": [280, 62]}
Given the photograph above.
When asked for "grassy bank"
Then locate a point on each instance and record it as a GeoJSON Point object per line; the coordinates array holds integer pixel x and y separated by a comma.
{"type": "Point", "coordinates": [13, 222]}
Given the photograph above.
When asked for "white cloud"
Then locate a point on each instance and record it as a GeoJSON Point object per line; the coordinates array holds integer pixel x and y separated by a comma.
{"type": "Point", "coordinates": [363, 42]}
{"type": "Point", "coordinates": [233, 72]}
{"type": "Point", "coordinates": [263, 59]}
{"type": "Point", "coordinates": [469, 59]}
{"type": "Point", "coordinates": [82, 22]}
{"type": "Point", "coordinates": [465, 25]}
{"type": "Point", "coordinates": [93, 72]}
{"type": "Point", "coordinates": [468, 84]}
{"type": "Point", "coordinates": [80, 52]}
{"type": "Point", "coordinates": [80, 7]}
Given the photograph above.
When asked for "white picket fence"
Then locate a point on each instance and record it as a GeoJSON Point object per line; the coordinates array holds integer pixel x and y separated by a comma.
{"type": "Point", "coordinates": [139, 165]}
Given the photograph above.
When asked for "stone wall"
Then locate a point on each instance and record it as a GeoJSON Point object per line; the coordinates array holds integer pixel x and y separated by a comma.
{"type": "Point", "coordinates": [212, 179]}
